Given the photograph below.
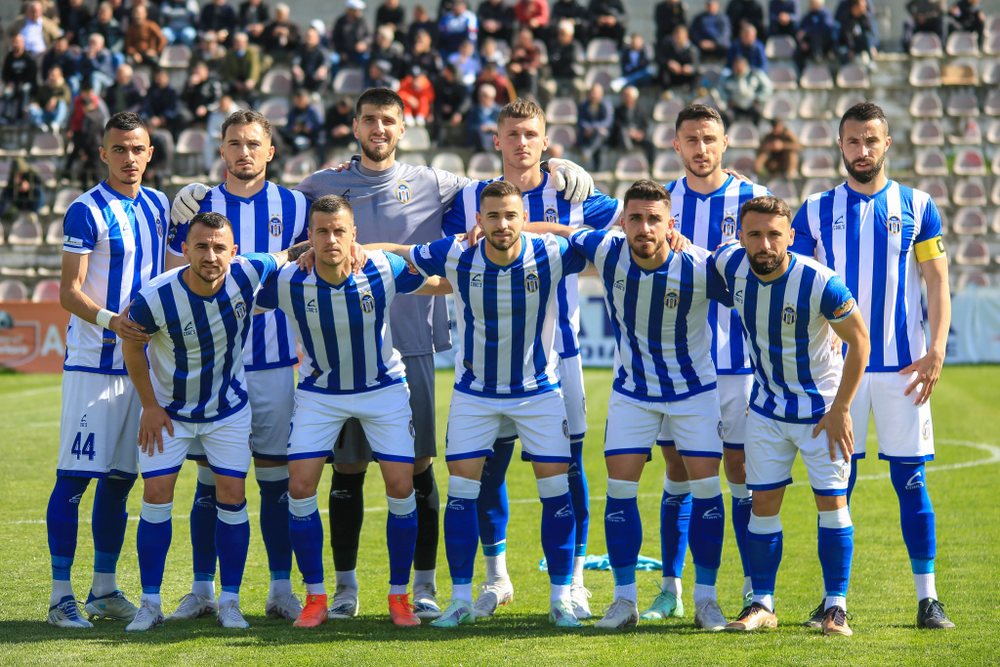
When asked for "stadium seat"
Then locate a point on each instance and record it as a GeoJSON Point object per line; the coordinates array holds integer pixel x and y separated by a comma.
{"type": "Point", "coordinates": [47, 170]}
{"type": "Point", "coordinates": [815, 106]}
{"type": "Point", "coordinates": [991, 107]}
{"type": "Point", "coordinates": [46, 144]}
{"type": "Point", "coordinates": [663, 136]}
{"type": "Point", "coordinates": [46, 291]}
{"type": "Point", "coordinates": [176, 56]}
{"type": "Point", "coordinates": [992, 134]}
{"type": "Point", "coordinates": [349, 82]}
{"type": "Point", "coordinates": [783, 76]}
{"type": "Point", "coordinates": [995, 196]}
{"type": "Point", "coordinates": [743, 134]}
{"type": "Point", "coordinates": [926, 45]}
{"type": "Point", "coordinates": [927, 132]}
{"type": "Point", "coordinates": [13, 290]}
{"type": "Point", "coordinates": [969, 221]}
{"type": "Point", "coordinates": [190, 151]}
{"type": "Point", "coordinates": [601, 74]}
{"type": "Point", "coordinates": [416, 138]}
{"type": "Point", "coordinates": [26, 231]}
{"type": "Point", "coordinates": [816, 77]}
{"type": "Point", "coordinates": [781, 106]}
{"type": "Point", "coordinates": [925, 74]}
{"type": "Point", "coordinates": [784, 189]}
{"type": "Point", "coordinates": [818, 164]}
{"type": "Point", "coordinates": [417, 159]}
{"type": "Point", "coordinates": [972, 252]}
{"type": "Point", "coordinates": [297, 168]}
{"type": "Point", "coordinates": [846, 101]}
{"type": "Point", "coordinates": [275, 110]}
{"type": "Point", "coordinates": [969, 133]}
{"type": "Point", "coordinates": [960, 73]}
{"type": "Point", "coordinates": [853, 77]}
{"type": "Point", "coordinates": [667, 167]}
{"type": "Point", "coordinates": [936, 188]}
{"type": "Point", "coordinates": [666, 111]}
{"type": "Point", "coordinates": [991, 44]}
{"type": "Point", "coordinates": [631, 167]}
{"type": "Point", "coordinates": [621, 188]}
{"type": "Point", "coordinates": [780, 47]}
{"type": "Point", "coordinates": [64, 197]}
{"type": "Point", "coordinates": [995, 221]}
{"type": "Point", "coordinates": [992, 24]}
{"type": "Point", "coordinates": [602, 50]}
{"type": "Point", "coordinates": [961, 43]}
{"type": "Point", "coordinates": [926, 104]}
{"type": "Point", "coordinates": [969, 192]}
{"type": "Point", "coordinates": [561, 111]}
{"type": "Point", "coordinates": [814, 185]}
{"type": "Point", "coordinates": [564, 135]}
{"type": "Point", "coordinates": [277, 82]}
{"type": "Point", "coordinates": [452, 162]}
{"type": "Point", "coordinates": [991, 72]}
{"type": "Point", "coordinates": [969, 161]}
{"type": "Point", "coordinates": [217, 172]}
{"type": "Point", "coordinates": [963, 104]}
{"type": "Point", "coordinates": [742, 161]}
{"type": "Point", "coordinates": [973, 278]}
{"type": "Point", "coordinates": [817, 134]}
{"type": "Point", "coordinates": [54, 233]}
{"type": "Point", "coordinates": [995, 164]}
{"type": "Point", "coordinates": [483, 166]}
{"type": "Point", "coordinates": [930, 162]}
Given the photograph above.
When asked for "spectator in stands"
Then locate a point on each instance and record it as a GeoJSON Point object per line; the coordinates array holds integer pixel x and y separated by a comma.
{"type": "Point", "coordinates": [525, 64]}
{"type": "Point", "coordinates": [390, 14]}
{"type": "Point", "coordinates": [161, 105]}
{"type": "Point", "coordinates": [65, 59]}
{"type": "Point", "coordinates": [481, 121]}
{"type": "Point", "coordinates": [20, 78]}
{"type": "Point", "coordinates": [778, 154]}
{"type": "Point", "coordinates": [24, 191]}
{"type": "Point", "coordinates": [635, 65]}
{"type": "Point", "coordinates": [607, 20]}
{"type": "Point", "coordinates": [925, 16]}
{"type": "Point", "coordinates": [745, 89]}
{"type": "Point", "coordinates": [213, 127]}
{"type": "Point", "coordinates": [451, 103]}
{"type": "Point", "coordinates": [857, 34]}
{"type": "Point", "coordinates": [746, 11]}
{"type": "Point", "coordinates": [456, 27]}
{"type": "Point", "coordinates": [565, 59]}
{"type": "Point", "coordinates": [50, 108]}
{"type": "Point", "coordinates": [417, 94]}
{"type": "Point", "coordinates": [105, 24]}
{"type": "Point", "coordinates": [466, 63]}
{"type": "Point", "coordinates": [631, 128]}
{"type": "Point", "coordinates": [572, 11]}
{"type": "Point", "coordinates": [668, 14]}
{"type": "Point", "coordinates": [967, 15]}
{"type": "Point", "coordinates": [595, 117]}
{"type": "Point", "coordinates": [422, 58]}
{"type": "Point", "coordinates": [218, 16]}
{"type": "Point", "coordinates": [338, 127]}
{"type": "Point", "coordinates": [678, 60]}
{"type": "Point", "coordinates": [242, 68]}
{"type": "Point", "coordinates": [489, 53]}
{"type": "Point", "coordinates": [86, 130]}
{"type": "Point", "coordinates": [533, 14]}
{"type": "Point", "coordinates": [711, 32]}
{"type": "Point", "coordinates": [388, 50]}
{"type": "Point", "coordinates": [304, 125]}
{"type": "Point", "coordinates": [842, 15]}
{"type": "Point", "coordinates": [201, 93]}
{"type": "Point", "coordinates": [351, 34]}
{"type": "Point", "coordinates": [749, 47]}
{"type": "Point", "coordinates": [816, 35]}
{"type": "Point", "coordinates": [209, 51]}
{"type": "Point", "coordinates": [493, 77]}
{"type": "Point", "coordinates": [123, 94]}
{"type": "Point", "coordinates": [179, 18]}
{"type": "Point", "coordinates": [783, 17]}
{"type": "Point", "coordinates": [152, 12]}
{"type": "Point", "coordinates": [254, 15]}
{"type": "Point", "coordinates": [97, 64]}
{"type": "Point", "coordinates": [281, 38]}
{"type": "Point", "coordinates": [144, 41]}
{"type": "Point", "coordinates": [379, 75]}
{"type": "Point", "coordinates": [74, 16]}
{"type": "Point", "coordinates": [496, 20]}
{"type": "Point", "coordinates": [422, 21]}
{"type": "Point", "coordinates": [37, 30]}
{"type": "Point", "coordinates": [310, 68]}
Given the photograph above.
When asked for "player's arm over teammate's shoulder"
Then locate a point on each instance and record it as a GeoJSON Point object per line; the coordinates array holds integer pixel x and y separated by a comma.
{"type": "Point", "coordinates": [715, 285]}
{"type": "Point", "coordinates": [804, 242]}
{"type": "Point", "coordinates": [410, 281]}
{"type": "Point", "coordinates": [154, 418]}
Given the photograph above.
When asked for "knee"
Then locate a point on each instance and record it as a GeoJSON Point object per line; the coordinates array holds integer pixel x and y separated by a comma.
{"type": "Point", "coordinates": [421, 464]}
{"type": "Point", "coordinates": [399, 486]}
{"type": "Point", "coordinates": [157, 494]}
{"type": "Point", "coordinates": [734, 462]}
{"type": "Point", "coordinates": [351, 468]}
{"type": "Point", "coordinates": [230, 490]}
{"type": "Point", "coordinates": [301, 488]}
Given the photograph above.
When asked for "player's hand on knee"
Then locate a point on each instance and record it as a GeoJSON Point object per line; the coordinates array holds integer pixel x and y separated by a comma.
{"type": "Point", "coordinates": [127, 329]}
{"type": "Point", "coordinates": [571, 179]}
{"type": "Point", "coordinates": [151, 425]}
{"type": "Point", "coordinates": [926, 372]}
{"type": "Point", "coordinates": [187, 202]}
{"type": "Point", "coordinates": [839, 433]}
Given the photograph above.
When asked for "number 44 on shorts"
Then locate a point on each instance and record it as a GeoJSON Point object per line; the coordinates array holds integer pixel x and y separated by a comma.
{"type": "Point", "coordinates": [86, 450]}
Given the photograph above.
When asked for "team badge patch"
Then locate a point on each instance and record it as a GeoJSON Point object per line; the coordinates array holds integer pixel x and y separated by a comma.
{"type": "Point", "coordinates": [566, 427]}
{"type": "Point", "coordinates": [551, 215]}
{"type": "Point", "coordinates": [671, 299]}
{"type": "Point", "coordinates": [844, 471]}
{"type": "Point", "coordinates": [844, 308]}
{"type": "Point", "coordinates": [240, 308]}
{"type": "Point", "coordinates": [788, 314]}
{"type": "Point", "coordinates": [403, 192]}
{"type": "Point", "coordinates": [719, 429]}
{"type": "Point", "coordinates": [531, 282]}
{"type": "Point", "coordinates": [925, 430]}
{"type": "Point", "coordinates": [412, 429]}
{"type": "Point", "coordinates": [729, 225]}
{"type": "Point", "coordinates": [367, 302]}
{"type": "Point", "coordinates": [895, 225]}
{"type": "Point", "coordinates": [159, 227]}
{"type": "Point", "coordinates": [274, 226]}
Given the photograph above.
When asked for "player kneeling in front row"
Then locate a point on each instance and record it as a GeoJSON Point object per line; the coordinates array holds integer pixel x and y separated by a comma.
{"type": "Point", "coordinates": [349, 369]}
{"type": "Point", "coordinates": [790, 307]}
{"type": "Point", "coordinates": [196, 317]}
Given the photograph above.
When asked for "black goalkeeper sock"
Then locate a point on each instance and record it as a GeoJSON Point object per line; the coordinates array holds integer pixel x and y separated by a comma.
{"type": "Point", "coordinates": [428, 511]}
{"type": "Point", "coordinates": [347, 513]}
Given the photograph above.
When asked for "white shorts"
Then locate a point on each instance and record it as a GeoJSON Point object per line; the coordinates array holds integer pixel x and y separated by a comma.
{"type": "Point", "coordinates": [99, 427]}
{"type": "Point", "coordinates": [384, 415]}
{"type": "Point", "coordinates": [905, 431]}
{"type": "Point", "coordinates": [574, 397]}
{"type": "Point", "coordinates": [474, 423]}
{"type": "Point", "coordinates": [226, 444]}
{"type": "Point", "coordinates": [271, 392]}
{"type": "Point", "coordinates": [734, 397]}
{"type": "Point", "coordinates": [770, 451]}
{"type": "Point", "coordinates": [633, 424]}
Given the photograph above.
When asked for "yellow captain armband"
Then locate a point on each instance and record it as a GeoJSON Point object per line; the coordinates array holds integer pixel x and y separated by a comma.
{"type": "Point", "coordinates": [929, 249]}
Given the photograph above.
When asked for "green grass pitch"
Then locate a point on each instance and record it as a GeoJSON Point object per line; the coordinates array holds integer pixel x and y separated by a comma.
{"type": "Point", "coordinates": [882, 606]}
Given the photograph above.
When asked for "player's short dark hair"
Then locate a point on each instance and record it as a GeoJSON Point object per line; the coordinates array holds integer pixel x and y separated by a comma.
{"type": "Point", "coordinates": [499, 190]}
{"type": "Point", "coordinates": [520, 109]}
{"type": "Point", "coordinates": [246, 117]}
{"type": "Point", "coordinates": [698, 112]}
{"type": "Point", "coordinates": [768, 205]}
{"type": "Point", "coordinates": [379, 97]}
{"type": "Point", "coordinates": [210, 219]}
{"type": "Point", "coordinates": [863, 112]}
{"type": "Point", "coordinates": [646, 190]}
{"type": "Point", "coordinates": [126, 121]}
{"type": "Point", "coordinates": [331, 204]}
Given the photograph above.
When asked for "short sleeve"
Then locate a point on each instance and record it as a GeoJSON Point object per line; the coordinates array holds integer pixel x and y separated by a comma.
{"type": "Point", "coordinates": [406, 280]}
{"type": "Point", "coordinates": [176, 238]}
{"type": "Point", "coordinates": [726, 260]}
{"type": "Point", "coordinates": [804, 243]}
{"type": "Point", "coordinates": [454, 220]}
{"type": "Point", "coordinates": [601, 211]}
{"type": "Point", "coordinates": [267, 297]}
{"type": "Point", "coordinates": [263, 263]}
{"type": "Point", "coordinates": [79, 229]}
{"type": "Point", "coordinates": [586, 242]}
{"type": "Point", "coordinates": [573, 260]}
{"type": "Point", "coordinates": [431, 258]}
{"type": "Point", "coordinates": [837, 302]}
{"type": "Point", "coordinates": [140, 313]}
{"type": "Point", "coordinates": [449, 185]}
{"type": "Point", "coordinates": [928, 244]}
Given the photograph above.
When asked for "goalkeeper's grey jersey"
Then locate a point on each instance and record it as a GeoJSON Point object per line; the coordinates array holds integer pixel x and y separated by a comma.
{"type": "Point", "coordinates": [403, 204]}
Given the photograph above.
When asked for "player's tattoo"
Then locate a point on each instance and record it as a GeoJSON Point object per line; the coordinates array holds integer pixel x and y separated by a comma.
{"type": "Point", "coordinates": [298, 249]}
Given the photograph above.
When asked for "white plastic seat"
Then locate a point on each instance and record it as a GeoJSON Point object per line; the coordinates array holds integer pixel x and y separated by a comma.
{"type": "Point", "coordinates": [926, 104]}
{"type": "Point", "coordinates": [26, 231]}
{"type": "Point", "coordinates": [780, 47]}
{"type": "Point", "coordinates": [13, 289]}
{"type": "Point", "coordinates": [853, 77]}
{"type": "Point", "coordinates": [816, 77]}
{"type": "Point", "coordinates": [925, 74]}
{"type": "Point", "coordinates": [416, 138]}
{"type": "Point", "coordinates": [927, 132]}
{"type": "Point", "coordinates": [926, 45]}
{"type": "Point", "coordinates": [483, 166]}
{"type": "Point", "coordinates": [930, 162]}
{"type": "Point", "coordinates": [46, 291]}
{"type": "Point", "coordinates": [961, 43]}
{"type": "Point", "coordinates": [602, 50]}
{"type": "Point", "coordinates": [970, 161]}
{"type": "Point", "coordinates": [667, 167]}
{"type": "Point", "coordinates": [743, 134]}
{"type": "Point", "coordinates": [349, 82]}
{"type": "Point", "coordinates": [817, 134]}
{"type": "Point", "coordinates": [631, 167]}
{"type": "Point", "coordinates": [452, 162]}
{"type": "Point", "coordinates": [561, 111]}
{"type": "Point", "coordinates": [969, 221]}
{"type": "Point", "coordinates": [818, 165]}
{"type": "Point", "coordinates": [277, 82]}
{"type": "Point", "coordinates": [963, 104]}
{"type": "Point", "coordinates": [973, 252]}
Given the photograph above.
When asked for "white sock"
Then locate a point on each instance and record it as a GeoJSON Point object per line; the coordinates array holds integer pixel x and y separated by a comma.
{"type": "Point", "coordinates": [421, 577]}
{"type": "Point", "coordinates": [835, 601]}
{"type": "Point", "coordinates": [347, 578]}
{"type": "Point", "coordinates": [703, 593]}
{"type": "Point", "coordinates": [104, 583]}
{"type": "Point", "coordinates": [60, 589]}
{"type": "Point", "coordinates": [205, 589]}
{"type": "Point", "coordinates": [462, 592]}
{"type": "Point", "coordinates": [559, 593]}
{"type": "Point", "coordinates": [316, 589]}
{"type": "Point", "coordinates": [496, 567]}
{"type": "Point", "coordinates": [766, 600]}
{"type": "Point", "coordinates": [578, 570]}
{"type": "Point", "coordinates": [226, 596]}
{"type": "Point", "coordinates": [626, 592]}
{"type": "Point", "coordinates": [747, 586]}
{"type": "Point", "coordinates": [672, 585]}
{"type": "Point", "coordinates": [926, 586]}
{"type": "Point", "coordinates": [397, 589]}
{"type": "Point", "coordinates": [280, 587]}
{"type": "Point", "coordinates": [152, 598]}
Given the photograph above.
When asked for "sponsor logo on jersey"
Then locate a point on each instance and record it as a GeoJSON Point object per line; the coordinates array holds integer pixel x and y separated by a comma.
{"type": "Point", "coordinates": [620, 285]}
{"type": "Point", "coordinates": [788, 314]}
{"type": "Point", "coordinates": [551, 214]}
{"type": "Point", "coordinates": [367, 302]}
{"type": "Point", "coordinates": [671, 299]}
{"type": "Point", "coordinates": [83, 420]}
{"type": "Point", "coordinates": [403, 192]}
{"type": "Point", "coordinates": [839, 224]}
{"type": "Point", "coordinates": [274, 226]}
{"type": "Point", "coordinates": [476, 280]}
{"type": "Point", "coordinates": [738, 297]}
{"type": "Point", "coordinates": [895, 225]}
{"type": "Point", "coordinates": [189, 329]}
{"type": "Point", "coordinates": [531, 282]}
{"type": "Point", "coordinates": [240, 308]}
{"type": "Point", "coordinates": [729, 225]}
{"type": "Point", "coordinates": [916, 481]}
{"type": "Point", "coordinates": [311, 306]}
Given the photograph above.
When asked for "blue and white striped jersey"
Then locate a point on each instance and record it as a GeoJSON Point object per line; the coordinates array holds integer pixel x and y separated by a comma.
{"type": "Point", "coordinates": [506, 314]}
{"type": "Point", "coordinates": [195, 351]}
{"type": "Point", "coordinates": [709, 220]}
{"type": "Point", "coordinates": [124, 240]}
{"type": "Point", "coordinates": [796, 370]}
{"type": "Point", "coordinates": [875, 243]}
{"type": "Point", "coordinates": [660, 318]}
{"type": "Point", "coordinates": [271, 221]}
{"type": "Point", "coordinates": [545, 204]}
{"type": "Point", "coordinates": [344, 329]}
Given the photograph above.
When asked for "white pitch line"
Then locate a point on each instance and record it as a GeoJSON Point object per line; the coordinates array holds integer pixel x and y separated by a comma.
{"type": "Point", "coordinates": [992, 450]}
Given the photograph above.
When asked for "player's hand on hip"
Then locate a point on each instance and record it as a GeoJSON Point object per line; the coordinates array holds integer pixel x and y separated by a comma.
{"type": "Point", "coordinates": [151, 425]}
{"type": "Point", "coordinates": [187, 202]}
{"type": "Point", "coordinates": [127, 329]}
{"type": "Point", "coordinates": [926, 371]}
{"type": "Point", "coordinates": [839, 433]}
{"type": "Point", "coordinates": [307, 260]}
{"type": "Point", "coordinates": [571, 179]}
{"type": "Point", "coordinates": [358, 257]}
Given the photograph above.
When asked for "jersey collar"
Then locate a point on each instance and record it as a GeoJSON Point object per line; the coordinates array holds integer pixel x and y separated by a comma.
{"type": "Point", "coordinates": [245, 200]}
{"type": "Point", "coordinates": [777, 281]}
{"type": "Point", "coordinates": [695, 193]}
{"type": "Point", "coordinates": [888, 184]}
{"type": "Point", "coordinates": [492, 265]}
{"type": "Point", "coordinates": [117, 195]}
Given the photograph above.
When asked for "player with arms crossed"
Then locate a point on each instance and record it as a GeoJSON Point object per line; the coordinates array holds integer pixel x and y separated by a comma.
{"type": "Point", "coordinates": [400, 203]}
{"type": "Point", "coordinates": [883, 237]}
{"type": "Point", "coordinates": [350, 369]}
{"type": "Point", "coordinates": [705, 205]}
{"type": "Point", "coordinates": [266, 217]}
{"type": "Point", "coordinates": [115, 234]}
{"type": "Point", "coordinates": [790, 306]}
{"type": "Point", "coordinates": [198, 318]}
{"type": "Point", "coordinates": [521, 141]}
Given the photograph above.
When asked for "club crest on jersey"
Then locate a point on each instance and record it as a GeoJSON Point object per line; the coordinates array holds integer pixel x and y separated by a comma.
{"type": "Point", "coordinates": [476, 280]}
{"type": "Point", "coordinates": [412, 429]}
{"type": "Point", "coordinates": [551, 215]}
{"type": "Point", "coordinates": [403, 192]}
{"type": "Point", "coordinates": [367, 302]}
{"type": "Point", "coordinates": [895, 225]}
{"type": "Point", "coordinates": [565, 426]}
{"type": "Point", "coordinates": [671, 299]}
{"type": "Point", "coordinates": [925, 430]}
{"type": "Point", "coordinates": [240, 308]}
{"type": "Point", "coordinates": [531, 282]}
{"type": "Point", "coordinates": [274, 226]}
{"type": "Point", "coordinates": [159, 227]}
{"type": "Point", "coordinates": [839, 224]}
{"type": "Point", "coordinates": [788, 314]}
{"type": "Point", "coordinates": [729, 225]}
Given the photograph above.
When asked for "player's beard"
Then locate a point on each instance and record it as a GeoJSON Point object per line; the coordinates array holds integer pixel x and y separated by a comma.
{"type": "Point", "coordinates": [245, 173]}
{"type": "Point", "coordinates": [769, 264]}
{"type": "Point", "coordinates": [640, 252]}
{"type": "Point", "coordinates": [377, 153]}
{"type": "Point", "coordinates": [502, 245]}
{"type": "Point", "coordinates": [702, 172]}
{"type": "Point", "coordinates": [864, 176]}
{"type": "Point", "coordinates": [217, 270]}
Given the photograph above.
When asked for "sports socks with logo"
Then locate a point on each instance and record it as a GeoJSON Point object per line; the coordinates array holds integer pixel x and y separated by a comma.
{"type": "Point", "coordinates": [401, 539]}
{"type": "Point", "coordinates": [110, 518]}
{"type": "Point", "coordinates": [62, 519]}
{"type": "Point", "coordinates": [347, 513]}
{"type": "Point", "coordinates": [273, 483]}
{"type": "Point", "coordinates": [708, 523]}
{"type": "Point", "coordinates": [202, 522]}
{"type": "Point", "coordinates": [494, 511]}
{"type": "Point", "coordinates": [835, 543]}
{"type": "Point", "coordinates": [232, 541]}
{"type": "Point", "coordinates": [675, 521]}
{"type": "Point", "coordinates": [558, 534]}
{"type": "Point", "coordinates": [152, 542]}
{"type": "Point", "coordinates": [916, 518]}
{"type": "Point", "coordinates": [305, 528]}
{"type": "Point", "coordinates": [764, 544]}
{"type": "Point", "coordinates": [461, 534]}
{"type": "Point", "coordinates": [623, 534]}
